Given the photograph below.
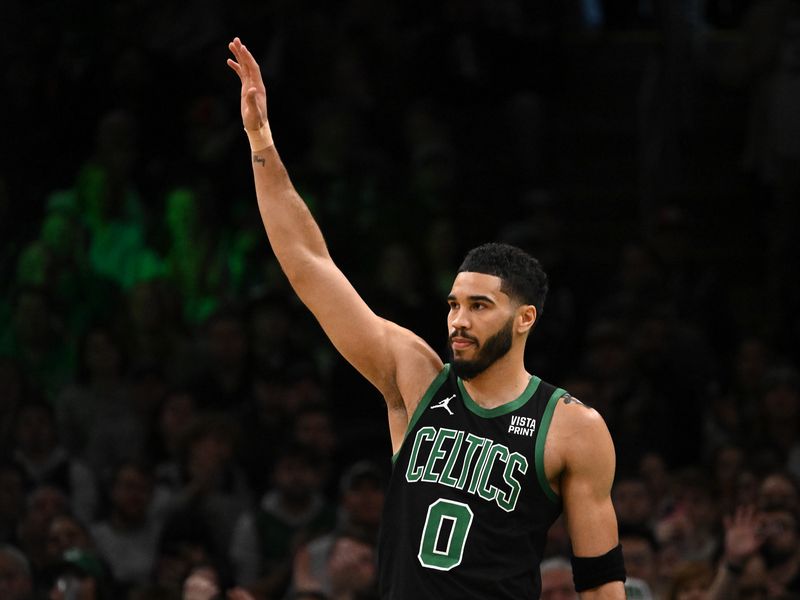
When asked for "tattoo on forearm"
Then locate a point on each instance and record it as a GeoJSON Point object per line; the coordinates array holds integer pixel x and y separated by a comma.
{"type": "Point", "coordinates": [259, 159]}
{"type": "Point", "coordinates": [568, 399]}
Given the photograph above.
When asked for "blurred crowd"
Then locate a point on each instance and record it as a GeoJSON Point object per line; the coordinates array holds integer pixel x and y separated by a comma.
{"type": "Point", "coordinates": [174, 425]}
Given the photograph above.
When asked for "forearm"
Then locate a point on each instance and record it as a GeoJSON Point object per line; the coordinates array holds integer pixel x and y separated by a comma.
{"type": "Point", "coordinates": [293, 234]}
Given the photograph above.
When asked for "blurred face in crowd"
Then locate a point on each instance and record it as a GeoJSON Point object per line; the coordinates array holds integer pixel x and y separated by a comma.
{"type": "Point", "coordinates": [44, 504]}
{"type": "Point", "coordinates": [175, 416]}
{"type": "Point", "coordinates": [557, 585]}
{"type": "Point", "coordinates": [693, 590]}
{"type": "Point", "coordinates": [779, 529]}
{"type": "Point", "coordinates": [777, 492]}
{"type": "Point", "coordinates": [65, 533]}
{"type": "Point", "coordinates": [632, 501]}
{"type": "Point", "coordinates": [15, 580]}
{"type": "Point", "coordinates": [296, 478]}
{"type": "Point", "coordinates": [640, 558]}
{"type": "Point", "coordinates": [315, 430]}
{"type": "Point", "coordinates": [692, 581]}
{"type": "Point", "coordinates": [364, 502]}
{"type": "Point", "coordinates": [131, 494]}
{"type": "Point", "coordinates": [351, 565]}
{"type": "Point", "coordinates": [211, 452]}
{"type": "Point", "coordinates": [700, 507]}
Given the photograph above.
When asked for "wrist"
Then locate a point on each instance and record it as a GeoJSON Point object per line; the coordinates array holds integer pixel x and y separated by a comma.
{"type": "Point", "coordinates": [261, 138]}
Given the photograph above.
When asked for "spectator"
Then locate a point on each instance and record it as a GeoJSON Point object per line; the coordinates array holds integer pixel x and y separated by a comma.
{"type": "Point", "coordinates": [96, 417]}
{"type": "Point", "coordinates": [292, 511]}
{"type": "Point", "coordinates": [690, 531]}
{"type": "Point", "coordinates": [172, 419]}
{"type": "Point", "coordinates": [778, 491]}
{"type": "Point", "coordinates": [313, 427]}
{"type": "Point", "coordinates": [360, 508]}
{"type": "Point", "coordinates": [183, 547]}
{"type": "Point", "coordinates": [127, 539]}
{"type": "Point", "coordinates": [632, 502]}
{"type": "Point", "coordinates": [740, 568]}
{"type": "Point", "coordinates": [781, 550]}
{"type": "Point", "coordinates": [154, 329]}
{"type": "Point", "coordinates": [35, 337]}
{"type": "Point", "coordinates": [44, 461]}
{"type": "Point", "coordinates": [557, 579]}
{"type": "Point", "coordinates": [224, 382]}
{"type": "Point", "coordinates": [728, 464]}
{"type": "Point", "coordinates": [65, 533]}
{"type": "Point", "coordinates": [207, 483]}
{"type": "Point", "coordinates": [16, 582]}
{"type": "Point", "coordinates": [641, 552]}
{"type": "Point", "coordinates": [80, 575]}
{"type": "Point", "coordinates": [352, 568]}
{"type": "Point", "coordinates": [44, 503]}
{"type": "Point", "coordinates": [691, 581]}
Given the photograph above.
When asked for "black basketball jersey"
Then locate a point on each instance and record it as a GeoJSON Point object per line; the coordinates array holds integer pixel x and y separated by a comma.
{"type": "Point", "coordinates": [468, 505]}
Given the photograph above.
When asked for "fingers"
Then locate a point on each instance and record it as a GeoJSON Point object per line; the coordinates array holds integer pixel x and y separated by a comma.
{"type": "Point", "coordinates": [235, 66]}
{"type": "Point", "coordinates": [242, 54]}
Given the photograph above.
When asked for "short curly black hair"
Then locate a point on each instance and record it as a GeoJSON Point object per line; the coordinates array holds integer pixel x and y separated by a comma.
{"type": "Point", "coordinates": [523, 278]}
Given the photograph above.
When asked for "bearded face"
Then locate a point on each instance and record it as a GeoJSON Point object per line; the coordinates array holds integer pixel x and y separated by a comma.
{"type": "Point", "coordinates": [486, 353]}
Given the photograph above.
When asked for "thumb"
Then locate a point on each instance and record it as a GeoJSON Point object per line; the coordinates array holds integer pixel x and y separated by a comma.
{"type": "Point", "coordinates": [252, 104]}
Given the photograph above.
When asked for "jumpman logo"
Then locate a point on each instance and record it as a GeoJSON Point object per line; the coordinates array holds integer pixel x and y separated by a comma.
{"type": "Point", "coordinates": [445, 404]}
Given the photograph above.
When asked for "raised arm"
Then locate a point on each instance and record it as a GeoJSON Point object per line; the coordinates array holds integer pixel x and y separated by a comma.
{"type": "Point", "coordinates": [580, 463]}
{"type": "Point", "coordinates": [393, 359]}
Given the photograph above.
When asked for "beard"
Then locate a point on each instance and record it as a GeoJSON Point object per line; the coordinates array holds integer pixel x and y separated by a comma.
{"type": "Point", "coordinates": [495, 348]}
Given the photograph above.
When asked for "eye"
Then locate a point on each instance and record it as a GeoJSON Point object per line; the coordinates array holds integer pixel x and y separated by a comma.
{"type": "Point", "coordinates": [478, 306]}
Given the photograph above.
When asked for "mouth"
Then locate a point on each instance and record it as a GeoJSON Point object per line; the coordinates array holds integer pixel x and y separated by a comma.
{"type": "Point", "coordinates": [461, 343]}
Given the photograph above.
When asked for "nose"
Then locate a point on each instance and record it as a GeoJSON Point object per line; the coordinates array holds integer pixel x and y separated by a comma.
{"type": "Point", "coordinates": [459, 319]}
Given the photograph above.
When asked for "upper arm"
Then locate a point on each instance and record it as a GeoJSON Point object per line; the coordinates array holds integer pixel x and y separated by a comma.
{"type": "Point", "coordinates": [582, 456]}
{"type": "Point", "coordinates": [393, 359]}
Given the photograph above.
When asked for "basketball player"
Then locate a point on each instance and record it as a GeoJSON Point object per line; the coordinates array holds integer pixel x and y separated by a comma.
{"type": "Point", "coordinates": [486, 454]}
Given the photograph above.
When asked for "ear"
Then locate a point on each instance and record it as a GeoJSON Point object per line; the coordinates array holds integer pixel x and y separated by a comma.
{"type": "Point", "coordinates": [526, 317]}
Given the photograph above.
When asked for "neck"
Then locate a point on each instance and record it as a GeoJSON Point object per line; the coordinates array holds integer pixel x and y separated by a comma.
{"type": "Point", "coordinates": [502, 382]}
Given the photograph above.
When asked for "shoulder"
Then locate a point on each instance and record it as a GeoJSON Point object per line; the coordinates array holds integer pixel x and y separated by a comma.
{"type": "Point", "coordinates": [578, 439]}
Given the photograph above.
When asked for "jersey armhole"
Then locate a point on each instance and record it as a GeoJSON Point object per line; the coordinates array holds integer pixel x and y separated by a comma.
{"type": "Point", "coordinates": [547, 416]}
{"type": "Point", "coordinates": [423, 404]}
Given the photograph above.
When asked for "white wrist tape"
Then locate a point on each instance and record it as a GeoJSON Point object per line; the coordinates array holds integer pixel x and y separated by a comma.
{"type": "Point", "coordinates": [261, 138]}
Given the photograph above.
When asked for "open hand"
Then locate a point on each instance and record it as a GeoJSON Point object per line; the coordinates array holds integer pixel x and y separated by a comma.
{"type": "Point", "coordinates": [742, 537]}
{"type": "Point", "coordinates": [254, 94]}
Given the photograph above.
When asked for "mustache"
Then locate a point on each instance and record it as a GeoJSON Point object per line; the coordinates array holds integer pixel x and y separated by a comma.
{"type": "Point", "coordinates": [462, 334]}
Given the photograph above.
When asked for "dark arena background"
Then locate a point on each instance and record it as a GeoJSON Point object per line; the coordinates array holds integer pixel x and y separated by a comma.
{"type": "Point", "coordinates": [166, 403]}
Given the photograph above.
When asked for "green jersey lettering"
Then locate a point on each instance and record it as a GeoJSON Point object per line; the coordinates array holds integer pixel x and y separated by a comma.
{"type": "Point", "coordinates": [436, 454]}
{"type": "Point", "coordinates": [473, 443]}
{"type": "Point", "coordinates": [495, 452]}
{"type": "Point", "coordinates": [413, 473]}
{"type": "Point", "coordinates": [445, 478]}
{"type": "Point", "coordinates": [508, 500]}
